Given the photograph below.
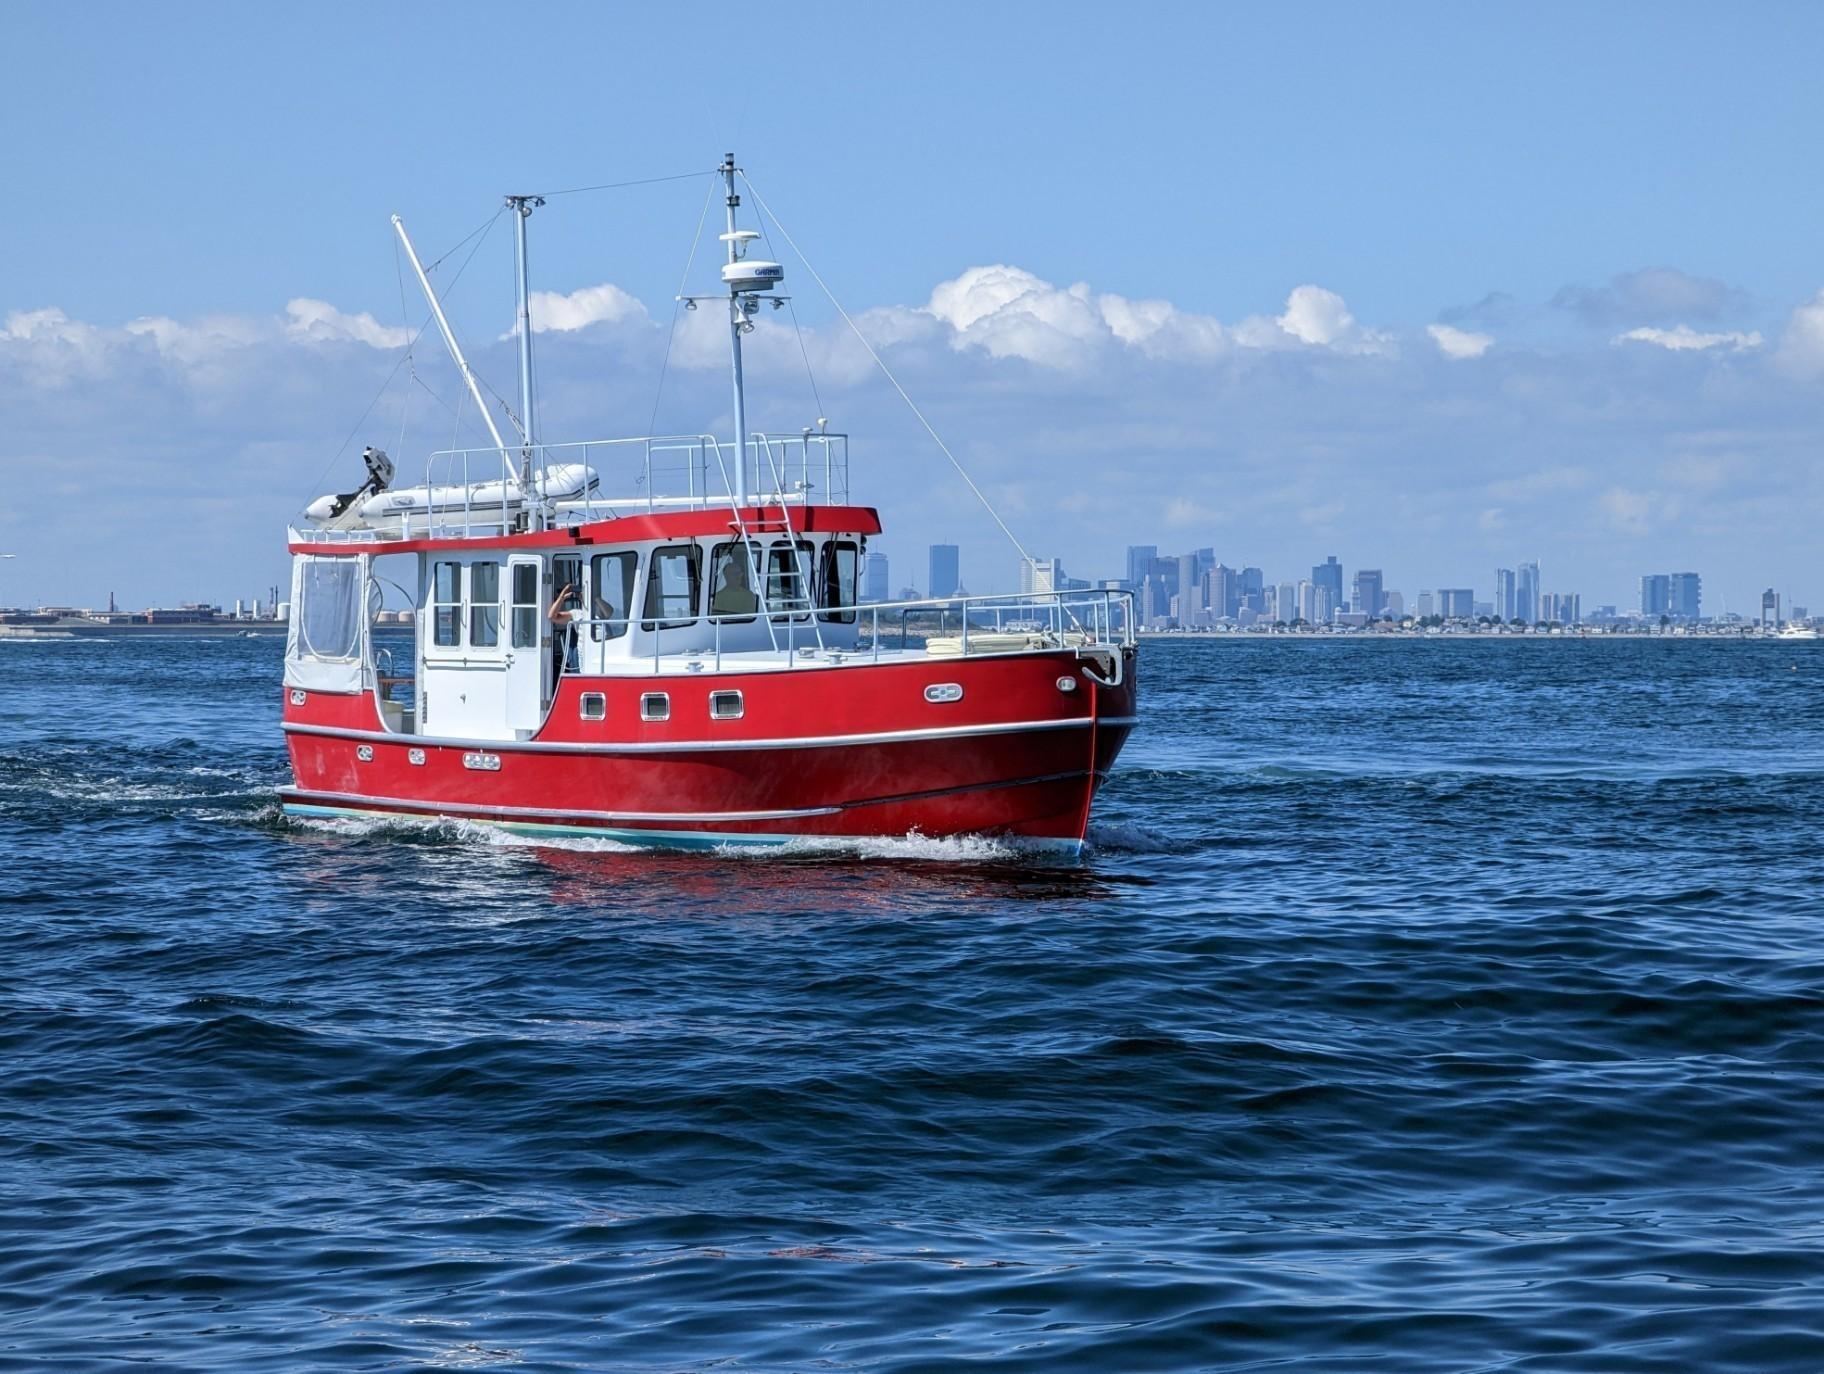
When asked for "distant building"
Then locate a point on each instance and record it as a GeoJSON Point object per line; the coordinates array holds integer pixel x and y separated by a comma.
{"type": "Point", "coordinates": [1040, 575]}
{"type": "Point", "coordinates": [1367, 593]}
{"type": "Point", "coordinates": [1254, 588]}
{"type": "Point", "coordinates": [1770, 608]}
{"type": "Point", "coordinates": [1563, 608]}
{"type": "Point", "coordinates": [1684, 595]}
{"type": "Point", "coordinates": [1506, 594]}
{"type": "Point", "coordinates": [1222, 592]}
{"type": "Point", "coordinates": [1422, 607]}
{"type": "Point", "coordinates": [1329, 575]}
{"type": "Point", "coordinates": [1526, 593]}
{"type": "Point", "coordinates": [1394, 604]}
{"type": "Point", "coordinates": [946, 574]}
{"type": "Point", "coordinates": [1190, 590]}
{"type": "Point", "coordinates": [1457, 603]}
{"type": "Point", "coordinates": [874, 578]}
{"type": "Point", "coordinates": [1655, 596]}
{"type": "Point", "coordinates": [1307, 602]}
{"type": "Point", "coordinates": [1140, 559]}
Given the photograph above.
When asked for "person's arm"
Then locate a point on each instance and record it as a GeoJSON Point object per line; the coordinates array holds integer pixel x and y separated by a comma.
{"type": "Point", "coordinates": [557, 613]}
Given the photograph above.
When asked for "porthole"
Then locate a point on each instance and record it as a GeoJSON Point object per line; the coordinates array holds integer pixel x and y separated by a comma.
{"type": "Point", "coordinates": [365, 752]}
{"type": "Point", "coordinates": [297, 696]}
{"type": "Point", "coordinates": [655, 706]}
{"type": "Point", "coordinates": [415, 756]}
{"type": "Point", "coordinates": [1067, 684]}
{"type": "Point", "coordinates": [593, 706]}
{"type": "Point", "coordinates": [726, 706]}
{"type": "Point", "coordinates": [941, 692]}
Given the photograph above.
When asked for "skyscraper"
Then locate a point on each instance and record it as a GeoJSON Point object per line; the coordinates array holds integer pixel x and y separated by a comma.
{"type": "Point", "coordinates": [1285, 602]}
{"type": "Point", "coordinates": [1254, 588]}
{"type": "Point", "coordinates": [1223, 594]}
{"type": "Point", "coordinates": [1686, 595]}
{"type": "Point", "coordinates": [1368, 592]}
{"type": "Point", "coordinates": [1526, 593]}
{"type": "Point", "coordinates": [945, 575]}
{"type": "Point", "coordinates": [1506, 594]}
{"type": "Point", "coordinates": [1190, 591]}
{"type": "Point", "coordinates": [1456, 603]}
{"type": "Point", "coordinates": [874, 578]}
{"type": "Point", "coordinates": [1040, 575]}
{"type": "Point", "coordinates": [1329, 576]}
{"type": "Point", "coordinates": [1140, 562]}
{"type": "Point", "coordinates": [1307, 602]}
{"type": "Point", "coordinates": [1655, 596]}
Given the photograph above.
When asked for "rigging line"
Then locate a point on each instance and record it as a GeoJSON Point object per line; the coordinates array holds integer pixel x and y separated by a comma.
{"type": "Point", "coordinates": [618, 185]}
{"type": "Point", "coordinates": [792, 310]}
{"type": "Point", "coordinates": [677, 305]}
{"type": "Point", "coordinates": [479, 229]}
{"type": "Point", "coordinates": [407, 356]}
{"type": "Point", "coordinates": [911, 405]}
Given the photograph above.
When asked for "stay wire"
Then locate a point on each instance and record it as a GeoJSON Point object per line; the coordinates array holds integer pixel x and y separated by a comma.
{"type": "Point", "coordinates": [911, 405]}
{"type": "Point", "coordinates": [791, 309]}
{"type": "Point", "coordinates": [620, 185]}
{"type": "Point", "coordinates": [410, 347]}
{"type": "Point", "coordinates": [677, 306]}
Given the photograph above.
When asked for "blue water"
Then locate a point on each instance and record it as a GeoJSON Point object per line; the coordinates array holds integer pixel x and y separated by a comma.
{"type": "Point", "coordinates": [1424, 1006]}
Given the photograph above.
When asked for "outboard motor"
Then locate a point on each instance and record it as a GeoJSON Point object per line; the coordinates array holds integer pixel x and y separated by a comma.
{"type": "Point", "coordinates": [327, 510]}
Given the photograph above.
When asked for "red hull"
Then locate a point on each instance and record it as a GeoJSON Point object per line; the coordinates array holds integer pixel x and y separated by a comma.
{"type": "Point", "coordinates": [852, 751]}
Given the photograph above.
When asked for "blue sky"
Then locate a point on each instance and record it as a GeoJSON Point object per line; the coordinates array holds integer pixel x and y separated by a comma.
{"type": "Point", "coordinates": [1551, 179]}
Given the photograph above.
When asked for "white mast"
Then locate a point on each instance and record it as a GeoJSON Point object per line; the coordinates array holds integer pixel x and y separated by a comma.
{"type": "Point", "coordinates": [737, 322]}
{"type": "Point", "coordinates": [522, 207]}
{"type": "Point", "coordinates": [449, 337]}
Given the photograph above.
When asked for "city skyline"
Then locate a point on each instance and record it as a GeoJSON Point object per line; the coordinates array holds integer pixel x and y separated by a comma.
{"type": "Point", "coordinates": [1607, 360]}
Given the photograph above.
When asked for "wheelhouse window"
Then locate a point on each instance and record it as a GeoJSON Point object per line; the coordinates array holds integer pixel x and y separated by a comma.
{"type": "Point", "coordinates": [673, 587]}
{"type": "Point", "coordinates": [841, 562]}
{"type": "Point", "coordinates": [787, 580]}
{"type": "Point", "coordinates": [484, 605]}
{"type": "Point", "coordinates": [731, 580]}
{"type": "Point", "coordinates": [525, 606]}
{"type": "Point", "coordinates": [446, 604]}
{"type": "Point", "coordinates": [611, 575]}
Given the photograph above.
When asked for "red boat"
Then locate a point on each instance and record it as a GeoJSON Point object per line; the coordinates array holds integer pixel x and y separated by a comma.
{"type": "Point", "coordinates": [686, 664]}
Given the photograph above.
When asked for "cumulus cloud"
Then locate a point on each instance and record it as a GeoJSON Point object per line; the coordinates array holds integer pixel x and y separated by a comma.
{"type": "Point", "coordinates": [1683, 338]}
{"type": "Point", "coordinates": [1653, 295]}
{"type": "Point", "coordinates": [1459, 343]}
{"type": "Point", "coordinates": [1802, 344]}
{"type": "Point", "coordinates": [320, 321]}
{"type": "Point", "coordinates": [587, 305]}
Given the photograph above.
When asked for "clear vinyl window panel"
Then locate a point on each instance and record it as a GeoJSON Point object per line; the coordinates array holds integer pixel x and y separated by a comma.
{"type": "Point", "coordinates": [329, 621]}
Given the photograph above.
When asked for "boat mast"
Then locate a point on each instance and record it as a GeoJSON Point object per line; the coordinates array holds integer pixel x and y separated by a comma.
{"type": "Point", "coordinates": [522, 207]}
{"type": "Point", "coordinates": [737, 323]}
{"type": "Point", "coordinates": [449, 336]}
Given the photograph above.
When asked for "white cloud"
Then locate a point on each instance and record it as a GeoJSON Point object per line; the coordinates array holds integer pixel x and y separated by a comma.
{"type": "Point", "coordinates": [587, 305]}
{"type": "Point", "coordinates": [1802, 344]}
{"type": "Point", "coordinates": [319, 321]}
{"type": "Point", "coordinates": [1459, 343]}
{"type": "Point", "coordinates": [1684, 338]}
{"type": "Point", "coordinates": [1316, 316]}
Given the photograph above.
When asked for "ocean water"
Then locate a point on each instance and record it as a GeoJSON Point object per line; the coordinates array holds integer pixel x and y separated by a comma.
{"type": "Point", "coordinates": [1421, 1006]}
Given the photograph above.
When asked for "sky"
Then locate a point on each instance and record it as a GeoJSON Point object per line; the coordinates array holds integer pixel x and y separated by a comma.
{"type": "Point", "coordinates": [1436, 289]}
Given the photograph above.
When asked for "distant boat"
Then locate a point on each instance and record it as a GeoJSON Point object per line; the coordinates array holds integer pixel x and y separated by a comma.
{"type": "Point", "coordinates": [1799, 632]}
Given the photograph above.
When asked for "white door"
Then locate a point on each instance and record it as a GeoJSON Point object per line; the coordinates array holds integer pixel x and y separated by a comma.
{"type": "Point", "coordinates": [528, 653]}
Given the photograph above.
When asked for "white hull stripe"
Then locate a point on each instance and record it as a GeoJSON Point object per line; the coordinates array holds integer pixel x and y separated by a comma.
{"type": "Point", "coordinates": [644, 839]}
{"type": "Point", "coordinates": [296, 795]}
{"type": "Point", "coordinates": [500, 746]}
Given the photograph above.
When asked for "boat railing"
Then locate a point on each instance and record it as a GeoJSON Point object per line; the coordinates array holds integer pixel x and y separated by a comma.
{"type": "Point", "coordinates": [947, 627]}
{"type": "Point", "coordinates": [481, 492]}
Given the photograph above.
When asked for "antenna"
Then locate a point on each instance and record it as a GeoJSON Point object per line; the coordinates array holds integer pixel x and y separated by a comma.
{"type": "Point", "coordinates": [522, 207]}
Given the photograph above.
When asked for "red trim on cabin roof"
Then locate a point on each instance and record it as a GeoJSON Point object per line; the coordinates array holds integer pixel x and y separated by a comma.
{"type": "Point", "coordinates": [629, 529]}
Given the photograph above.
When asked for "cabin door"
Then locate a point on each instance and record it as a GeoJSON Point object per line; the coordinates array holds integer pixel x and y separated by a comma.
{"type": "Point", "coordinates": [527, 656]}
